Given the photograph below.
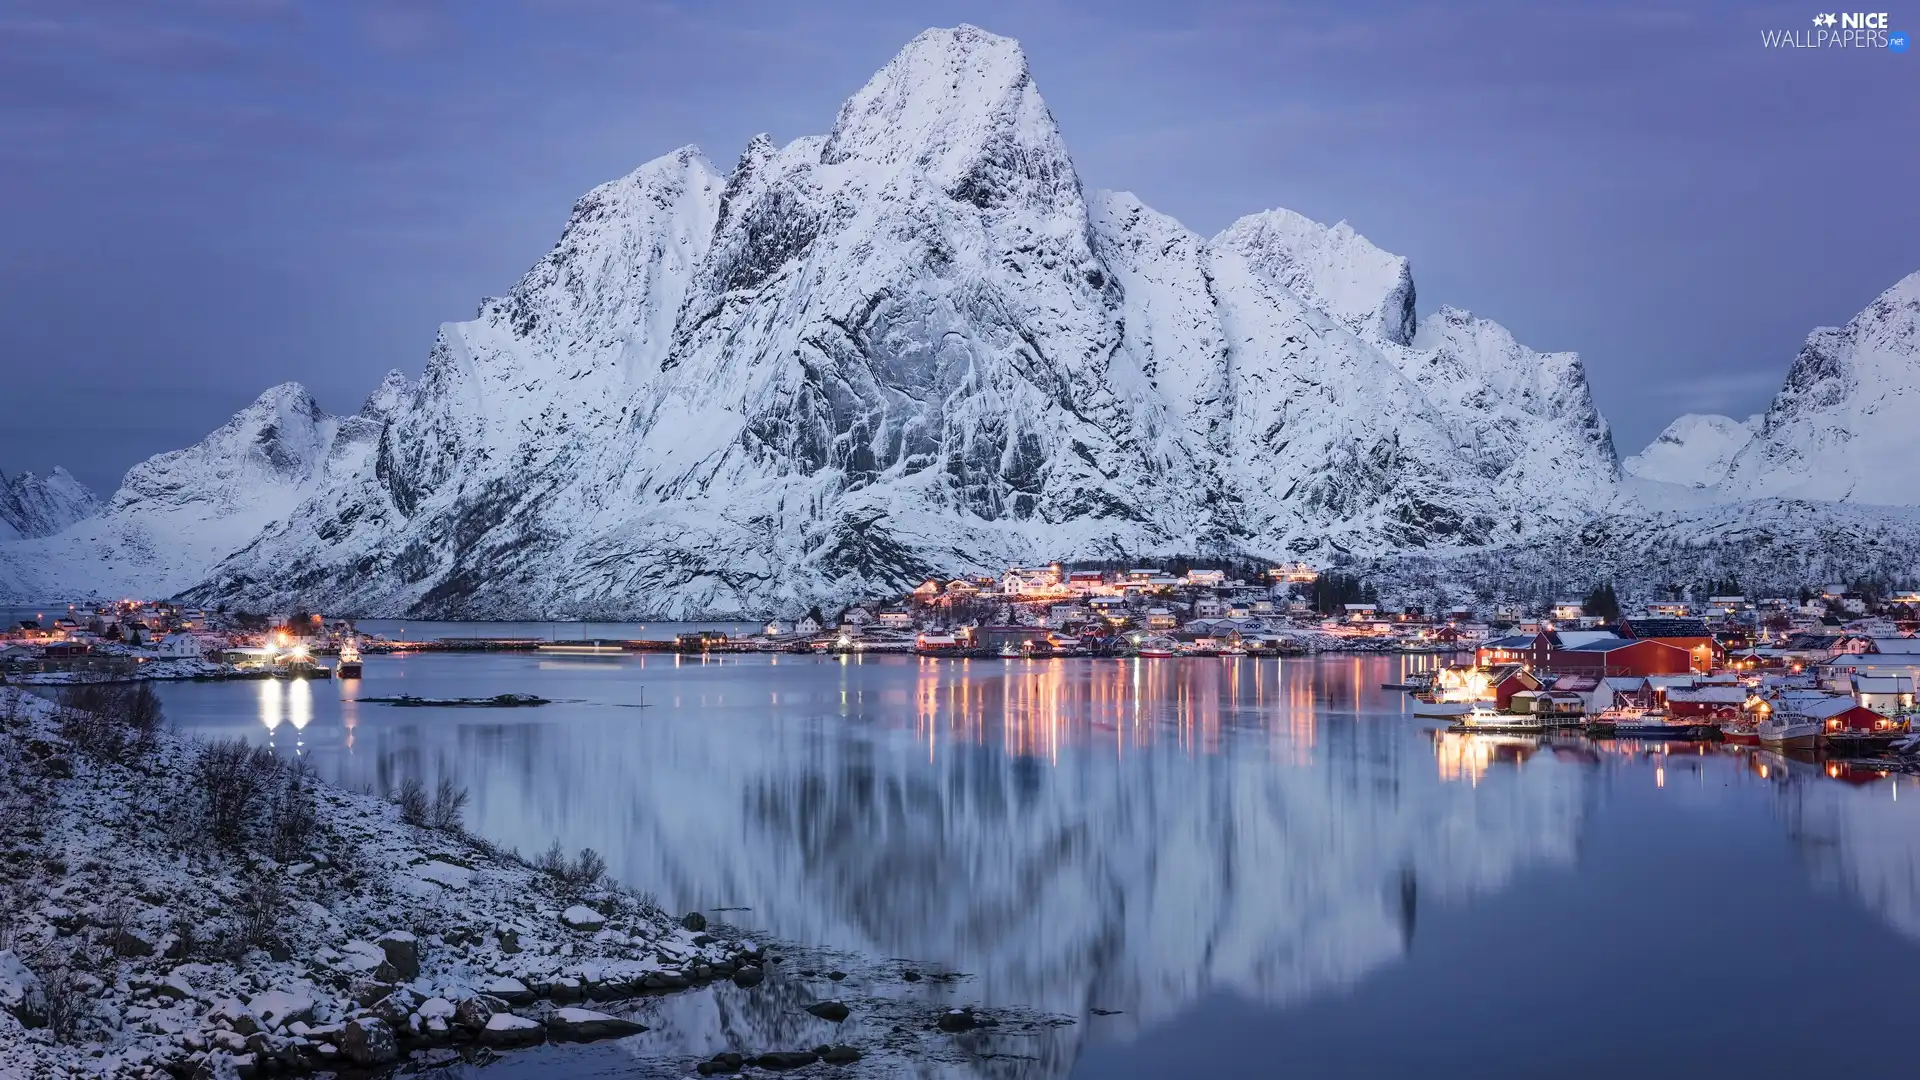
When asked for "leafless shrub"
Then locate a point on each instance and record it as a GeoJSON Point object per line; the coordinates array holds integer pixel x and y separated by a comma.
{"type": "Point", "coordinates": [585, 871]}
{"type": "Point", "coordinates": [10, 705]}
{"type": "Point", "coordinates": [233, 780]}
{"type": "Point", "coordinates": [186, 934]}
{"type": "Point", "coordinates": [111, 721]}
{"type": "Point", "coordinates": [411, 797]}
{"type": "Point", "coordinates": [292, 815]}
{"type": "Point", "coordinates": [449, 806]}
{"type": "Point", "coordinates": [66, 1004]}
{"type": "Point", "coordinates": [259, 913]}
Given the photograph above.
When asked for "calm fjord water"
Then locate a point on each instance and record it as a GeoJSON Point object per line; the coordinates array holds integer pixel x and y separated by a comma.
{"type": "Point", "coordinates": [1267, 867]}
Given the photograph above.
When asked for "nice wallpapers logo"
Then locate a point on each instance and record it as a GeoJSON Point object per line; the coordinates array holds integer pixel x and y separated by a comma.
{"type": "Point", "coordinates": [1840, 30]}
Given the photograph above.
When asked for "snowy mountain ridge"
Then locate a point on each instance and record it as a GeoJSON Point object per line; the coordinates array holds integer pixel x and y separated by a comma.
{"type": "Point", "coordinates": [914, 345]}
{"type": "Point", "coordinates": [32, 506]}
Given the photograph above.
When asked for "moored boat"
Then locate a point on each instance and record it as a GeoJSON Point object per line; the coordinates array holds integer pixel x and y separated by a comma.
{"type": "Point", "coordinates": [1788, 731]}
{"type": "Point", "coordinates": [1488, 718]}
{"type": "Point", "coordinates": [1739, 733]}
{"type": "Point", "coordinates": [349, 665]}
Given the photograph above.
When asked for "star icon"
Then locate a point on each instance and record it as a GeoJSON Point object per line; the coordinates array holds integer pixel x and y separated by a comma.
{"type": "Point", "coordinates": [1830, 19]}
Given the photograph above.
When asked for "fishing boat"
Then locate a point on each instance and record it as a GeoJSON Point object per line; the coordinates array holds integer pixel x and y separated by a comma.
{"type": "Point", "coordinates": [1787, 731]}
{"type": "Point", "coordinates": [1155, 648]}
{"type": "Point", "coordinates": [1416, 683]}
{"type": "Point", "coordinates": [1739, 733]}
{"type": "Point", "coordinates": [1487, 718]}
{"type": "Point", "coordinates": [349, 665]}
{"type": "Point", "coordinates": [1640, 724]}
{"type": "Point", "coordinates": [1010, 651]}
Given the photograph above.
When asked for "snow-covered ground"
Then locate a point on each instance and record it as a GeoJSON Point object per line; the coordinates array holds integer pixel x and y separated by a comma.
{"type": "Point", "coordinates": [138, 939]}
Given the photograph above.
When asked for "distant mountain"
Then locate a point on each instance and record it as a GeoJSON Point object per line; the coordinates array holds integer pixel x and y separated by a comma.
{"type": "Point", "coordinates": [1694, 450]}
{"type": "Point", "coordinates": [177, 514]}
{"type": "Point", "coordinates": [31, 506]}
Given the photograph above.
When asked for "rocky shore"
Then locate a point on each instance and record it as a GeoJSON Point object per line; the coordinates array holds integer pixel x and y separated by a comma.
{"type": "Point", "coordinates": [172, 908]}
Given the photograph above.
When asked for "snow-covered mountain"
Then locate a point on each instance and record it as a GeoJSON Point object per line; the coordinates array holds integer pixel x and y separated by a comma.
{"type": "Point", "coordinates": [177, 514]}
{"type": "Point", "coordinates": [1694, 451]}
{"type": "Point", "coordinates": [1842, 426]}
{"type": "Point", "coordinates": [915, 344]}
{"type": "Point", "coordinates": [32, 506]}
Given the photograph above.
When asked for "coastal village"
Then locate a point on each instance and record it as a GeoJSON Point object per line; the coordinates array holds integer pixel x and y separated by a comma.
{"type": "Point", "coordinates": [1835, 668]}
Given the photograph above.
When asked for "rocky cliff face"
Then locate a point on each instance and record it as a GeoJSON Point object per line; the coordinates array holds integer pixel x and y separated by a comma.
{"type": "Point", "coordinates": [33, 506]}
{"type": "Point", "coordinates": [1841, 428]}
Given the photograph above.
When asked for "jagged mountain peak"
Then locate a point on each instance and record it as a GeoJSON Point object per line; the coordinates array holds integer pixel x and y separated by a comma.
{"type": "Point", "coordinates": [1840, 428]}
{"type": "Point", "coordinates": [1332, 268]}
{"type": "Point", "coordinates": [33, 505]}
{"type": "Point", "coordinates": [389, 397]}
{"type": "Point", "coordinates": [947, 97]}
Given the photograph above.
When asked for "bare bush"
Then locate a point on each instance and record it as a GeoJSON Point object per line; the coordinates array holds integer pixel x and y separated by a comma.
{"type": "Point", "coordinates": [259, 910]}
{"type": "Point", "coordinates": [411, 797]}
{"type": "Point", "coordinates": [66, 1004]}
{"type": "Point", "coordinates": [449, 807]}
{"type": "Point", "coordinates": [233, 778]}
{"type": "Point", "coordinates": [111, 721]}
{"type": "Point", "coordinates": [585, 871]}
{"type": "Point", "coordinates": [293, 816]}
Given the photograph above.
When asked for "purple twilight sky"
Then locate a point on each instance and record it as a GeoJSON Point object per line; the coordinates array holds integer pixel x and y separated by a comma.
{"type": "Point", "coordinates": [201, 199]}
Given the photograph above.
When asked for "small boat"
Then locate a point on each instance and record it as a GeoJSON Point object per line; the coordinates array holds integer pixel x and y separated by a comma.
{"type": "Point", "coordinates": [1010, 651]}
{"type": "Point", "coordinates": [1414, 683]}
{"type": "Point", "coordinates": [349, 665]}
{"type": "Point", "coordinates": [1788, 731]}
{"type": "Point", "coordinates": [1488, 718]}
{"type": "Point", "coordinates": [1155, 646]}
{"type": "Point", "coordinates": [1739, 733]}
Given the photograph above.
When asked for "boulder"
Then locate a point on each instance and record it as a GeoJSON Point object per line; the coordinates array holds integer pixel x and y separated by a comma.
{"type": "Point", "coordinates": [583, 918]}
{"type": "Point", "coordinates": [830, 1010]}
{"type": "Point", "coordinates": [474, 1012]}
{"type": "Point", "coordinates": [506, 1029]}
{"type": "Point", "coordinates": [587, 1024]}
{"type": "Point", "coordinates": [133, 941]}
{"type": "Point", "coordinates": [694, 921]}
{"type": "Point", "coordinates": [435, 1007]}
{"type": "Point", "coordinates": [512, 991]}
{"type": "Point", "coordinates": [237, 1016]}
{"type": "Point", "coordinates": [786, 1059]}
{"type": "Point", "coordinates": [396, 1007]}
{"type": "Point", "coordinates": [957, 1020]}
{"type": "Point", "coordinates": [21, 992]}
{"type": "Point", "coordinates": [840, 1054]}
{"type": "Point", "coordinates": [277, 1008]}
{"type": "Point", "coordinates": [368, 1041]}
{"type": "Point", "coordinates": [402, 951]}
{"type": "Point", "coordinates": [749, 975]}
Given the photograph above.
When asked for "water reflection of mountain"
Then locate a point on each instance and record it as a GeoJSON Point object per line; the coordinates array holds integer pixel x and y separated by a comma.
{"type": "Point", "coordinates": [1122, 836]}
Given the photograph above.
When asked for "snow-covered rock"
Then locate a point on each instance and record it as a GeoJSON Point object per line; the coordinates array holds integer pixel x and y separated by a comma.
{"type": "Point", "coordinates": [1842, 426]}
{"type": "Point", "coordinates": [1693, 451]}
{"type": "Point", "coordinates": [33, 506]}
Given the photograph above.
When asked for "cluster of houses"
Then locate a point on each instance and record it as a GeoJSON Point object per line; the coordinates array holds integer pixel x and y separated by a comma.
{"type": "Point", "coordinates": [115, 640]}
{"type": "Point", "coordinates": [1857, 676]}
{"type": "Point", "coordinates": [1056, 611]}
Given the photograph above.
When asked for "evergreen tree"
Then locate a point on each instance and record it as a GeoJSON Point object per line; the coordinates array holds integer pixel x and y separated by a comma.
{"type": "Point", "coordinates": [1602, 602]}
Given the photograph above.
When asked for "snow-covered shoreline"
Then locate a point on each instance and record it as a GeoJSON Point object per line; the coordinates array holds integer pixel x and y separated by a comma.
{"type": "Point", "coordinates": [135, 942]}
